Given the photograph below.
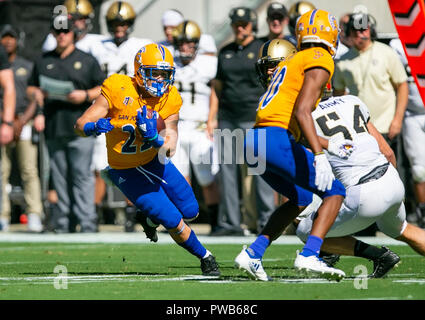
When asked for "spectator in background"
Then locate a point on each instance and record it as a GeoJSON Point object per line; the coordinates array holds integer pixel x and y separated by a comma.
{"type": "Point", "coordinates": [234, 99]}
{"type": "Point", "coordinates": [194, 73]}
{"type": "Point", "coordinates": [26, 151]}
{"type": "Point", "coordinates": [296, 11]}
{"type": "Point", "coordinates": [82, 13]}
{"type": "Point", "coordinates": [277, 21]}
{"type": "Point", "coordinates": [369, 70]}
{"type": "Point", "coordinates": [79, 74]}
{"type": "Point", "coordinates": [170, 19]}
{"type": "Point", "coordinates": [344, 41]}
{"type": "Point", "coordinates": [8, 104]}
{"type": "Point", "coordinates": [413, 134]}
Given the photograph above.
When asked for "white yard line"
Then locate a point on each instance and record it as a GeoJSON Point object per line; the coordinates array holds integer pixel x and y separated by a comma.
{"type": "Point", "coordinates": [139, 238]}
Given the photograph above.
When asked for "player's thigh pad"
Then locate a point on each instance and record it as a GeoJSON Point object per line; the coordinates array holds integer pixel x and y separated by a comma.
{"type": "Point", "coordinates": [147, 194]}
{"type": "Point", "coordinates": [285, 157]}
{"type": "Point", "coordinates": [413, 139]}
{"type": "Point", "coordinates": [179, 192]}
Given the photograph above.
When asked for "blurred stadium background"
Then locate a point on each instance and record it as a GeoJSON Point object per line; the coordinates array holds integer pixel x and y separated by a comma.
{"type": "Point", "coordinates": [33, 16]}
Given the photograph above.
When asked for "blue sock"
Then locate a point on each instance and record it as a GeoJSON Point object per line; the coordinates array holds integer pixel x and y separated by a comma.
{"type": "Point", "coordinates": [258, 247]}
{"type": "Point", "coordinates": [193, 245]}
{"type": "Point", "coordinates": [312, 246]}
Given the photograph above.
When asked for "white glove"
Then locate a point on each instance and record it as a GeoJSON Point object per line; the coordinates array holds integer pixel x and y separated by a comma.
{"type": "Point", "coordinates": [324, 174]}
{"type": "Point", "coordinates": [341, 148]}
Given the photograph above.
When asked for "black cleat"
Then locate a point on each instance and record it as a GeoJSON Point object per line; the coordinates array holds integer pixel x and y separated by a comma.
{"type": "Point", "coordinates": [209, 266]}
{"type": "Point", "coordinates": [383, 264]}
{"type": "Point", "coordinates": [150, 232]}
{"type": "Point", "coordinates": [330, 259]}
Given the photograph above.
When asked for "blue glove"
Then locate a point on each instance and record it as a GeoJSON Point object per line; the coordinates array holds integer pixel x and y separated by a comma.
{"type": "Point", "coordinates": [147, 128]}
{"type": "Point", "coordinates": [96, 128]}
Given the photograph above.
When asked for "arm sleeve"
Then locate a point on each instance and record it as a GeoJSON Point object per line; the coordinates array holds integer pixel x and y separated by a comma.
{"type": "Point", "coordinates": [33, 79]}
{"type": "Point", "coordinates": [4, 61]}
{"type": "Point", "coordinates": [395, 68]}
{"type": "Point", "coordinates": [107, 89]}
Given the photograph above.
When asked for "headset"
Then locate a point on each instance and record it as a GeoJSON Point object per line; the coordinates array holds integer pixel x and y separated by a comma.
{"type": "Point", "coordinates": [361, 21]}
{"type": "Point", "coordinates": [251, 15]}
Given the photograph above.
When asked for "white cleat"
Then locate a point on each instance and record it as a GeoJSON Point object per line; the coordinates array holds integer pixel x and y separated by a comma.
{"type": "Point", "coordinates": [315, 265]}
{"type": "Point", "coordinates": [253, 267]}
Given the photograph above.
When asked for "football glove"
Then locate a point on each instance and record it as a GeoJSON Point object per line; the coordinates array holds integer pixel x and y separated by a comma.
{"type": "Point", "coordinates": [341, 148]}
{"type": "Point", "coordinates": [324, 174]}
{"type": "Point", "coordinates": [96, 128]}
{"type": "Point", "coordinates": [147, 128]}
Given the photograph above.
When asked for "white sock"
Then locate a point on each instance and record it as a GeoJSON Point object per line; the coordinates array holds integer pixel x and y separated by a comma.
{"type": "Point", "coordinates": [207, 255]}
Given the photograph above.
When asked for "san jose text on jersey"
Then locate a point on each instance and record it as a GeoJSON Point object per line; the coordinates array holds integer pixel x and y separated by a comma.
{"type": "Point", "coordinates": [126, 148]}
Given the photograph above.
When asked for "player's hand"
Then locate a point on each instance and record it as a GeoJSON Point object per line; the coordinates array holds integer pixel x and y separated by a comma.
{"type": "Point", "coordinates": [395, 129]}
{"type": "Point", "coordinates": [147, 127]}
{"type": "Point", "coordinates": [100, 126]}
{"type": "Point", "coordinates": [324, 174]}
{"type": "Point", "coordinates": [341, 148]}
{"type": "Point", "coordinates": [211, 125]}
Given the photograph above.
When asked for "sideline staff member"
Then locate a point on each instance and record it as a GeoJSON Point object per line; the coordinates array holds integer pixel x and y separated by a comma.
{"type": "Point", "coordinates": [70, 80]}
{"type": "Point", "coordinates": [235, 96]}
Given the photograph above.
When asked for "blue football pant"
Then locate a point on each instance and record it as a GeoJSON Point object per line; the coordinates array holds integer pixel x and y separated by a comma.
{"type": "Point", "coordinates": [159, 191]}
{"type": "Point", "coordinates": [289, 166]}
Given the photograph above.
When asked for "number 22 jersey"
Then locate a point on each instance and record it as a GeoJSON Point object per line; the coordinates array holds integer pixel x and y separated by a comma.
{"type": "Point", "coordinates": [126, 148]}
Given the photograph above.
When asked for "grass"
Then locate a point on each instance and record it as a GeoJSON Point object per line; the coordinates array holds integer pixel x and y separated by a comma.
{"type": "Point", "coordinates": [167, 272]}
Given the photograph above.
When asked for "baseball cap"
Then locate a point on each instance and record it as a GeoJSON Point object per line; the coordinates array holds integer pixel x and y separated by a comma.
{"type": "Point", "coordinates": [240, 14]}
{"type": "Point", "coordinates": [171, 18]}
{"type": "Point", "coordinates": [8, 29]}
{"type": "Point", "coordinates": [276, 10]}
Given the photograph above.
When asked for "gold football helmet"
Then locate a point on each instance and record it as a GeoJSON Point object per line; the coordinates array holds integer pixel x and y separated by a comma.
{"type": "Point", "coordinates": [318, 26]}
{"type": "Point", "coordinates": [79, 8]}
{"type": "Point", "coordinates": [151, 60]}
{"type": "Point", "coordinates": [271, 53]}
{"type": "Point", "coordinates": [296, 11]}
{"type": "Point", "coordinates": [120, 11]}
{"type": "Point", "coordinates": [187, 31]}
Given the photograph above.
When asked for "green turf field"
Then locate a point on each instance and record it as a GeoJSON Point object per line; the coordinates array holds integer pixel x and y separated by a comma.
{"type": "Point", "coordinates": [166, 271]}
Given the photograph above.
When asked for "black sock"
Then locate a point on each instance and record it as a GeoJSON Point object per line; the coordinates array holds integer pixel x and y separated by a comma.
{"type": "Point", "coordinates": [213, 214]}
{"type": "Point", "coordinates": [367, 251]}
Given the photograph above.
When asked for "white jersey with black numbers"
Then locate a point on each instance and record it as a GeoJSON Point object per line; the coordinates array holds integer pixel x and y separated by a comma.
{"type": "Point", "coordinates": [346, 117]}
{"type": "Point", "coordinates": [118, 59]}
{"type": "Point", "coordinates": [193, 82]}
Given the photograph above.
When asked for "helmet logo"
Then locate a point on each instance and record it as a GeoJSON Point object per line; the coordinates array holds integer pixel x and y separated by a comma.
{"type": "Point", "coordinates": [313, 14]}
{"type": "Point", "coordinates": [161, 49]}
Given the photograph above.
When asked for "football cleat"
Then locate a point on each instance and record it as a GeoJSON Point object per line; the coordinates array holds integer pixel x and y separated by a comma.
{"type": "Point", "coordinates": [316, 265]}
{"type": "Point", "coordinates": [149, 230]}
{"type": "Point", "coordinates": [330, 259]}
{"type": "Point", "coordinates": [383, 264]}
{"type": "Point", "coordinates": [253, 267]}
{"type": "Point", "coordinates": [209, 266]}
